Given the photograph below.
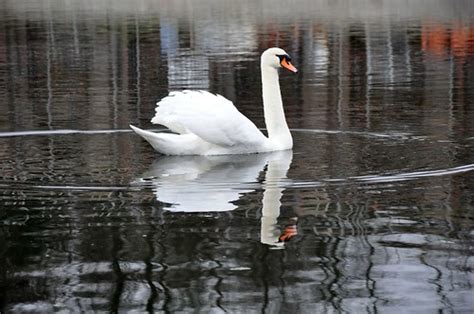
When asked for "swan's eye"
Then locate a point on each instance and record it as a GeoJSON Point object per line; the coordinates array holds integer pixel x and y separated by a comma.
{"type": "Point", "coordinates": [284, 57]}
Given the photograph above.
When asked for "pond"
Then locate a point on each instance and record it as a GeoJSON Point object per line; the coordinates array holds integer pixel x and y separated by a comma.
{"type": "Point", "coordinates": [372, 210]}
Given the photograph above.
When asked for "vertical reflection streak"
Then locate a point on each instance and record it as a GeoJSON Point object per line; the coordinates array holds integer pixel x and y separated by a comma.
{"type": "Point", "coordinates": [120, 277]}
{"type": "Point", "coordinates": [162, 279]}
{"type": "Point", "coordinates": [265, 284]}
{"type": "Point", "coordinates": [217, 286]}
{"type": "Point", "coordinates": [49, 45]}
{"type": "Point", "coordinates": [149, 270]}
{"type": "Point", "coordinates": [437, 281]}
{"type": "Point", "coordinates": [49, 55]}
{"type": "Point", "coordinates": [137, 68]}
{"type": "Point", "coordinates": [407, 57]}
{"type": "Point", "coordinates": [370, 282]}
{"type": "Point", "coordinates": [113, 43]}
{"type": "Point", "coordinates": [390, 56]}
{"type": "Point", "coordinates": [369, 249]}
{"type": "Point", "coordinates": [368, 74]}
{"type": "Point", "coordinates": [451, 94]}
{"type": "Point", "coordinates": [75, 33]}
{"type": "Point", "coordinates": [339, 81]}
{"type": "Point", "coordinates": [325, 261]}
{"type": "Point", "coordinates": [333, 284]}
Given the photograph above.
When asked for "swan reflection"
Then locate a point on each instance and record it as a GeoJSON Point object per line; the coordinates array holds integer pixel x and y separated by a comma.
{"type": "Point", "coordinates": [196, 184]}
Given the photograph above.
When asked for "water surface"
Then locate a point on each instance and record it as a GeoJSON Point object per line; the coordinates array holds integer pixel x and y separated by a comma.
{"type": "Point", "coordinates": [372, 211]}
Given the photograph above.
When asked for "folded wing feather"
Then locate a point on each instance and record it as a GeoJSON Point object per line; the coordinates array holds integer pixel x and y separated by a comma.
{"type": "Point", "coordinates": [211, 117]}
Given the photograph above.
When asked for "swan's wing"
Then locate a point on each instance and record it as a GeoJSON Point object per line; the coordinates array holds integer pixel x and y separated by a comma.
{"type": "Point", "coordinates": [211, 117]}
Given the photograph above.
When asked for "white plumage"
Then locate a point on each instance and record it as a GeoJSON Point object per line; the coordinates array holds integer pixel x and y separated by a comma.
{"type": "Point", "coordinates": [209, 124]}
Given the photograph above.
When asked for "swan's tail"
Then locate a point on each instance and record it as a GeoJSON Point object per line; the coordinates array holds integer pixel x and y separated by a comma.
{"type": "Point", "coordinates": [168, 143]}
{"type": "Point", "coordinates": [147, 135]}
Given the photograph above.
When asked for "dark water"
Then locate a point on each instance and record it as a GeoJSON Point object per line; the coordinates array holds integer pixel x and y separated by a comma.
{"type": "Point", "coordinates": [375, 202]}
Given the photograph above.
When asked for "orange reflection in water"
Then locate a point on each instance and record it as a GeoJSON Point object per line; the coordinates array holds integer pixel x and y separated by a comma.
{"type": "Point", "coordinates": [439, 39]}
{"type": "Point", "coordinates": [462, 41]}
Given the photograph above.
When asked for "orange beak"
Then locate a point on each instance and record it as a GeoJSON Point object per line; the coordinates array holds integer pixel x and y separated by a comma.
{"type": "Point", "coordinates": [288, 65]}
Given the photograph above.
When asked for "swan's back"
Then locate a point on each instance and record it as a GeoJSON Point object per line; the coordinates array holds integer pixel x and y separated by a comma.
{"type": "Point", "coordinates": [210, 117]}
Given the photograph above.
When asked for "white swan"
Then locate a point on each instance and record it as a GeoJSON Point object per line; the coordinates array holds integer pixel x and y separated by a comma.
{"type": "Point", "coordinates": [208, 124]}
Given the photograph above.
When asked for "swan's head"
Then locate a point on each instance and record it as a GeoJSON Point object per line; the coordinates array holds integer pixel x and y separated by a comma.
{"type": "Point", "coordinates": [277, 58]}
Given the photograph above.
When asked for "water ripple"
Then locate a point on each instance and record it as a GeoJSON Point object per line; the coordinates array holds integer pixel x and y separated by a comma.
{"type": "Point", "coordinates": [111, 131]}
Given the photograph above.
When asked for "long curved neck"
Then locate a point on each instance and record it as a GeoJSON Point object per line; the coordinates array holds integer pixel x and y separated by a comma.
{"type": "Point", "coordinates": [273, 108]}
